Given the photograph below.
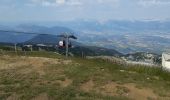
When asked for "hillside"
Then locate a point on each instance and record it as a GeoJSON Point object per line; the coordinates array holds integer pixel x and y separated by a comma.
{"type": "Point", "coordinates": [144, 57]}
{"type": "Point", "coordinates": [47, 39]}
{"type": "Point", "coordinates": [77, 49]}
{"type": "Point", "coordinates": [94, 51]}
{"type": "Point", "coordinates": [11, 37]}
{"type": "Point", "coordinates": [49, 76]}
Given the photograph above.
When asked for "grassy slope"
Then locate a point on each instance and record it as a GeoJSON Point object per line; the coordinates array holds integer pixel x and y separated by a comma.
{"type": "Point", "coordinates": [76, 78]}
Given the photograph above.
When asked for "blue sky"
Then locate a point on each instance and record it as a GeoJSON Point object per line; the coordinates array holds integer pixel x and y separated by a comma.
{"type": "Point", "coordinates": [63, 10]}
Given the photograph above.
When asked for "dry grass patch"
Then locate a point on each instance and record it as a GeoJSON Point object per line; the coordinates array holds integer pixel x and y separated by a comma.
{"type": "Point", "coordinates": [141, 94]}
{"type": "Point", "coordinates": [108, 89]}
{"type": "Point", "coordinates": [88, 86]}
{"type": "Point", "coordinates": [65, 83]}
{"type": "Point", "coordinates": [13, 97]}
{"type": "Point", "coordinates": [127, 90]}
{"type": "Point", "coordinates": [114, 89]}
{"type": "Point", "coordinates": [42, 96]}
{"type": "Point", "coordinates": [29, 64]}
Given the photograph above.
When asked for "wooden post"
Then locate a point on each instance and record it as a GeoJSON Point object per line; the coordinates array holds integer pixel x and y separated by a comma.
{"type": "Point", "coordinates": [67, 40]}
{"type": "Point", "coordinates": [82, 54]}
{"type": "Point", "coordinates": [31, 48]}
{"type": "Point", "coordinates": [15, 47]}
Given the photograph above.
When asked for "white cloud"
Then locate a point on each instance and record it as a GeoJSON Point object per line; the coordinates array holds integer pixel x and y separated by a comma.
{"type": "Point", "coordinates": [153, 2]}
{"type": "Point", "coordinates": [108, 1]}
{"type": "Point", "coordinates": [60, 2]}
{"type": "Point", "coordinates": [72, 2]}
{"type": "Point", "coordinates": [55, 3]}
{"type": "Point", "coordinates": [75, 2]}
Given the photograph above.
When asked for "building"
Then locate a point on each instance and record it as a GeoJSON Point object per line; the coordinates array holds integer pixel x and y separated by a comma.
{"type": "Point", "coordinates": [166, 61]}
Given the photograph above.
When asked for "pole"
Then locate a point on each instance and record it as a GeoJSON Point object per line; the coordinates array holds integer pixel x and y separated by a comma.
{"type": "Point", "coordinates": [31, 48]}
{"type": "Point", "coordinates": [67, 38]}
{"type": "Point", "coordinates": [82, 54]}
{"type": "Point", "coordinates": [15, 47]}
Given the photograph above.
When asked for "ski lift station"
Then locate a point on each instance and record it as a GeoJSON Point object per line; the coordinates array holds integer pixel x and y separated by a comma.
{"type": "Point", "coordinates": [166, 61]}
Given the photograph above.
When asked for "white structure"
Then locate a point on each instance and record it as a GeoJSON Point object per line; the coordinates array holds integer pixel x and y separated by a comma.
{"type": "Point", "coordinates": [166, 61]}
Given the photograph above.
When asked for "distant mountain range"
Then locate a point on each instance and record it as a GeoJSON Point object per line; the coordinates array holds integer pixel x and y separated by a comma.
{"type": "Point", "coordinates": [117, 26]}
{"type": "Point", "coordinates": [11, 37]}
{"type": "Point", "coordinates": [123, 36]}
{"type": "Point", "coordinates": [48, 39]}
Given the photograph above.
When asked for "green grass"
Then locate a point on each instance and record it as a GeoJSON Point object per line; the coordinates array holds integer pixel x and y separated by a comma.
{"type": "Point", "coordinates": [80, 71]}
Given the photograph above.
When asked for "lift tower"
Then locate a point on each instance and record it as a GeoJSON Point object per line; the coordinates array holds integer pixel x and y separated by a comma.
{"type": "Point", "coordinates": [67, 37]}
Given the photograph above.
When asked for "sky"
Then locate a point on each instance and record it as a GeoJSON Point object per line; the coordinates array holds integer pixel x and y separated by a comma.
{"type": "Point", "coordinates": [102, 10]}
